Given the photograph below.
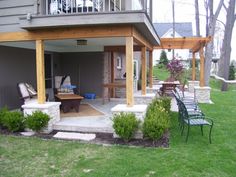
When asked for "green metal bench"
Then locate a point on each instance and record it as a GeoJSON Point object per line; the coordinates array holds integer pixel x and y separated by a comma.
{"type": "Point", "coordinates": [193, 120]}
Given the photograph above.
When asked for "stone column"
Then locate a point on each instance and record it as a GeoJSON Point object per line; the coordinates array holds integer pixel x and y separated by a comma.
{"type": "Point", "coordinates": [202, 94]}
{"type": "Point", "coordinates": [50, 108]}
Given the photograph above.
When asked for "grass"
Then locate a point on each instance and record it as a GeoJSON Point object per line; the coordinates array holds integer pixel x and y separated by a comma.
{"type": "Point", "coordinates": [161, 73]}
{"type": "Point", "coordinates": [21, 156]}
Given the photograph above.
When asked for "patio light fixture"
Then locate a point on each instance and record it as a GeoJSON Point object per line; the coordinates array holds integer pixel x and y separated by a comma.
{"type": "Point", "coordinates": [82, 42]}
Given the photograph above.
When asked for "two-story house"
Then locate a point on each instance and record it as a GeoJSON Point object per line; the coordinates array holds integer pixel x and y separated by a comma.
{"type": "Point", "coordinates": [40, 39]}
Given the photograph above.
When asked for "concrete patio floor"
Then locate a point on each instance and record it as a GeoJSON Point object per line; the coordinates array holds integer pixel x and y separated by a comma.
{"type": "Point", "coordinates": [102, 124]}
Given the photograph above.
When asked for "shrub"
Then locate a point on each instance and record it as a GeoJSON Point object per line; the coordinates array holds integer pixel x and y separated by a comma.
{"type": "Point", "coordinates": [3, 112]}
{"type": "Point", "coordinates": [165, 102]}
{"type": "Point", "coordinates": [231, 72]}
{"type": "Point", "coordinates": [125, 124]}
{"type": "Point", "coordinates": [13, 121]}
{"type": "Point", "coordinates": [175, 67]}
{"type": "Point", "coordinates": [37, 120]}
{"type": "Point", "coordinates": [156, 121]}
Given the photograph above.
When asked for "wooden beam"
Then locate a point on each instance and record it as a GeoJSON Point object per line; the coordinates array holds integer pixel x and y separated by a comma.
{"type": "Point", "coordinates": [68, 33]}
{"type": "Point", "coordinates": [129, 72]}
{"type": "Point", "coordinates": [119, 48]}
{"type": "Point", "coordinates": [40, 71]}
{"type": "Point", "coordinates": [151, 69]}
{"type": "Point", "coordinates": [193, 43]}
{"type": "Point", "coordinates": [141, 40]}
{"type": "Point", "coordinates": [112, 74]}
{"type": "Point", "coordinates": [202, 81]}
{"type": "Point", "coordinates": [194, 67]}
{"type": "Point", "coordinates": [144, 70]}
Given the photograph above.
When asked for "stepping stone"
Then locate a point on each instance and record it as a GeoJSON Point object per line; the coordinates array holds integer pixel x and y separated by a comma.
{"type": "Point", "coordinates": [75, 136]}
{"type": "Point", "coordinates": [27, 133]}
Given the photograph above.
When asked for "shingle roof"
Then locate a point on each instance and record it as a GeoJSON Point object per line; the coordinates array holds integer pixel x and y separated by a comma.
{"type": "Point", "coordinates": [184, 29]}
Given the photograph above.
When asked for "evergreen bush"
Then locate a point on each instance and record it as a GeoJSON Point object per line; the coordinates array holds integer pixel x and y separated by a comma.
{"type": "Point", "coordinates": [37, 120]}
{"type": "Point", "coordinates": [125, 125]}
{"type": "Point", "coordinates": [231, 72]}
{"type": "Point", "coordinates": [156, 121]}
{"type": "Point", "coordinates": [14, 121]}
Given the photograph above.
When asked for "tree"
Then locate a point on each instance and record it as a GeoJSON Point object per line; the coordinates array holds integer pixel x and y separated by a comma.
{"type": "Point", "coordinates": [163, 58]}
{"type": "Point", "coordinates": [210, 31]}
{"type": "Point", "coordinates": [231, 72]}
{"type": "Point", "coordinates": [197, 18]}
{"type": "Point", "coordinates": [226, 46]}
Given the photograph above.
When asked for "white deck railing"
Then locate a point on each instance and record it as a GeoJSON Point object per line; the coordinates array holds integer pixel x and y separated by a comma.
{"type": "Point", "coordinates": [54, 7]}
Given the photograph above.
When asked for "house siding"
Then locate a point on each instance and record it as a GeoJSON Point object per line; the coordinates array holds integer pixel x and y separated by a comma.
{"type": "Point", "coordinates": [11, 10]}
{"type": "Point", "coordinates": [85, 70]}
{"type": "Point", "coordinates": [15, 68]}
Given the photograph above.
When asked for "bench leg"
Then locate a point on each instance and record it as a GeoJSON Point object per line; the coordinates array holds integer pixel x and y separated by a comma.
{"type": "Point", "coordinates": [202, 129]}
{"type": "Point", "coordinates": [187, 134]}
{"type": "Point", "coordinates": [210, 134]}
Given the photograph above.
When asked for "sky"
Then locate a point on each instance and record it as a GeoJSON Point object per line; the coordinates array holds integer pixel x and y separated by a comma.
{"type": "Point", "coordinates": [185, 12]}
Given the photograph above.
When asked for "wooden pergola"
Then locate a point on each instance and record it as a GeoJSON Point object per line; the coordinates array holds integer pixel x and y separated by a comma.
{"type": "Point", "coordinates": [195, 44]}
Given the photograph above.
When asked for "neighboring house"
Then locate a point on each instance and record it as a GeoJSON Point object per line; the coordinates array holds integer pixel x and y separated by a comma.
{"type": "Point", "coordinates": [165, 30]}
{"type": "Point", "coordinates": [82, 39]}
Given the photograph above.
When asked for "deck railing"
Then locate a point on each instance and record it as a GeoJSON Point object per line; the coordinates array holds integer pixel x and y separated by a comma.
{"type": "Point", "coordinates": [54, 7]}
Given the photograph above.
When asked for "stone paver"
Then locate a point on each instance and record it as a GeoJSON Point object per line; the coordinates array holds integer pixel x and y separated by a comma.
{"type": "Point", "coordinates": [75, 136]}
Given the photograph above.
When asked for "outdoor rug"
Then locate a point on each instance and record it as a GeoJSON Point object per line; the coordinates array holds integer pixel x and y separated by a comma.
{"type": "Point", "coordinates": [84, 110]}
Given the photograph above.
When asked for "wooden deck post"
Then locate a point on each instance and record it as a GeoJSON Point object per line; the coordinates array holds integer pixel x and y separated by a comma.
{"type": "Point", "coordinates": [202, 82]}
{"type": "Point", "coordinates": [40, 71]}
{"type": "Point", "coordinates": [151, 69]}
{"type": "Point", "coordinates": [112, 74]}
{"type": "Point", "coordinates": [144, 70]}
{"type": "Point", "coordinates": [194, 67]}
{"type": "Point", "coordinates": [129, 72]}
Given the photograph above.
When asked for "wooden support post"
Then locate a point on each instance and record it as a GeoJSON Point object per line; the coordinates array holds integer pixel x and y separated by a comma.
{"type": "Point", "coordinates": [144, 70]}
{"type": "Point", "coordinates": [202, 82]}
{"type": "Point", "coordinates": [129, 72]}
{"type": "Point", "coordinates": [40, 71]}
{"type": "Point", "coordinates": [194, 67]}
{"type": "Point", "coordinates": [112, 75]}
{"type": "Point", "coordinates": [151, 69]}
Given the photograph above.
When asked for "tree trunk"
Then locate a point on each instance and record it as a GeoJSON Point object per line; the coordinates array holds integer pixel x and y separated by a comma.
{"type": "Point", "coordinates": [197, 18]}
{"type": "Point", "coordinates": [224, 62]}
{"type": "Point", "coordinates": [211, 32]}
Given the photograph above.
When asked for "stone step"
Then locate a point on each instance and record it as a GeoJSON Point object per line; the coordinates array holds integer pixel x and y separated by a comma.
{"type": "Point", "coordinates": [91, 125]}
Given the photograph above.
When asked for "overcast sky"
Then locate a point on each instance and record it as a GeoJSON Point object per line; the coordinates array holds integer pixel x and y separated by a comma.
{"type": "Point", "coordinates": [184, 12]}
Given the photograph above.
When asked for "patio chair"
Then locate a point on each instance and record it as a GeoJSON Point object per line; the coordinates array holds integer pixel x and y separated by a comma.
{"type": "Point", "coordinates": [27, 93]}
{"type": "Point", "coordinates": [63, 85]}
{"type": "Point", "coordinates": [193, 120]}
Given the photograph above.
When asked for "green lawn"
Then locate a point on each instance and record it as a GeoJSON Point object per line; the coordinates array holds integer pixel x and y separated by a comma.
{"type": "Point", "coordinates": [21, 156]}
{"type": "Point", "coordinates": [160, 73]}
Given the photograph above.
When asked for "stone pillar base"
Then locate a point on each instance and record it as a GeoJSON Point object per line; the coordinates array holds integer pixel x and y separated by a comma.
{"type": "Point", "coordinates": [144, 99]}
{"type": "Point", "coordinates": [191, 85]}
{"type": "Point", "coordinates": [202, 94]}
{"type": "Point", "coordinates": [50, 108]}
{"type": "Point", "coordinates": [138, 110]}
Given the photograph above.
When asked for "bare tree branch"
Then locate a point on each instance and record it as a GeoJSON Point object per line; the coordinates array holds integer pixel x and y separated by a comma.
{"type": "Point", "coordinates": [218, 9]}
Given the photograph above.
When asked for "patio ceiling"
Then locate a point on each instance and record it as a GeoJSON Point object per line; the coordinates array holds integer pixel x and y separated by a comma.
{"type": "Point", "coordinates": [70, 45]}
{"type": "Point", "coordinates": [194, 43]}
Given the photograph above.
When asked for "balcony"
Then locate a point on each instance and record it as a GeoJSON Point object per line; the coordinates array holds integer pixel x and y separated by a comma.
{"type": "Point", "coordinates": [62, 7]}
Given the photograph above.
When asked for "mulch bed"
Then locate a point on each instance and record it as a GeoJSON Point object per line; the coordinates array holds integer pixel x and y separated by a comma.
{"type": "Point", "coordinates": [106, 139]}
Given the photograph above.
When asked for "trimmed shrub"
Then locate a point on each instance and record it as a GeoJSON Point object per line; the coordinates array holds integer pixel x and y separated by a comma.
{"type": "Point", "coordinates": [3, 112]}
{"type": "Point", "coordinates": [165, 102]}
{"type": "Point", "coordinates": [156, 121]}
{"type": "Point", "coordinates": [125, 125]}
{"type": "Point", "coordinates": [37, 120]}
{"type": "Point", "coordinates": [13, 121]}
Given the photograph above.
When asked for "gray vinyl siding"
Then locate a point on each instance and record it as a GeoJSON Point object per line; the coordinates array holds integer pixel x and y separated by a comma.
{"type": "Point", "coordinates": [11, 10]}
{"type": "Point", "coordinates": [85, 70]}
{"type": "Point", "coordinates": [16, 65]}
